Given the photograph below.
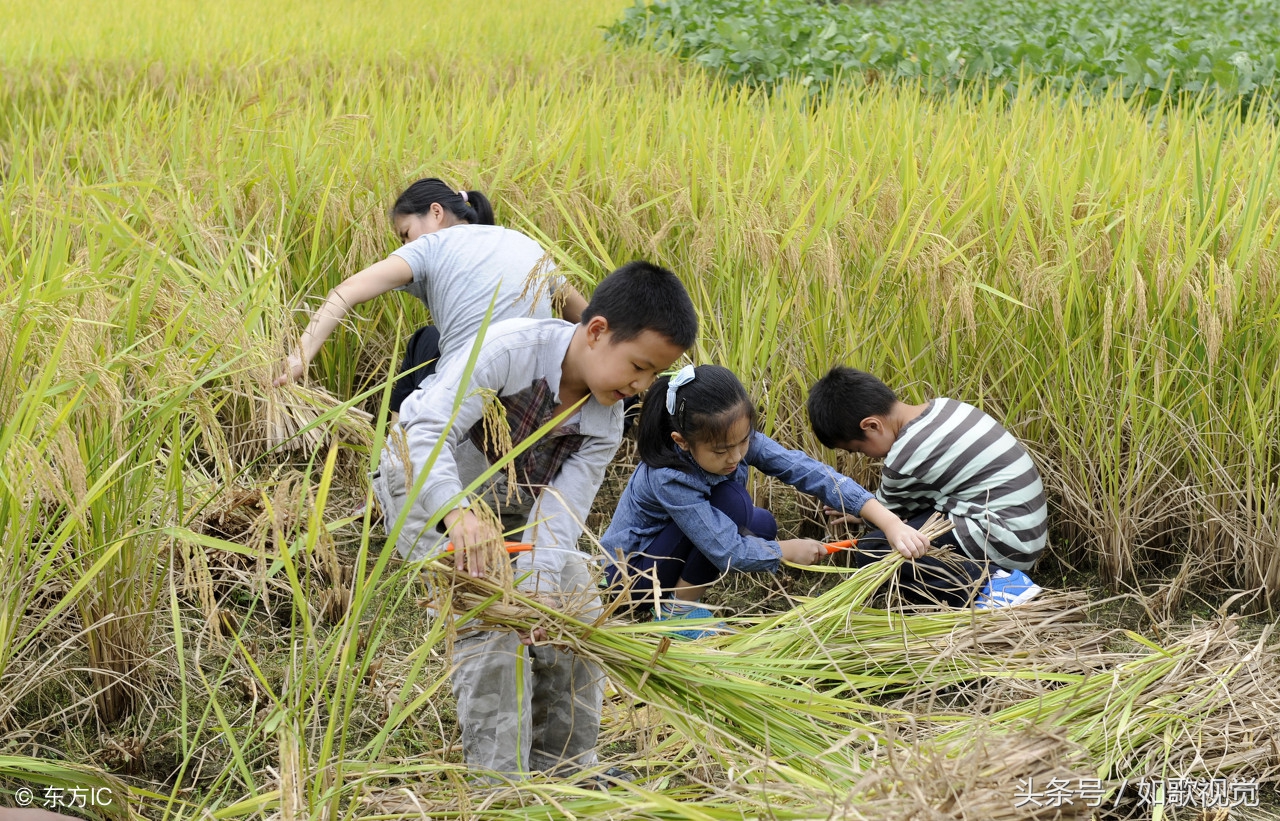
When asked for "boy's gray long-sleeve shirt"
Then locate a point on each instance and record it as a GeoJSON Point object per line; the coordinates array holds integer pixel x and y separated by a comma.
{"type": "Point", "coordinates": [515, 354]}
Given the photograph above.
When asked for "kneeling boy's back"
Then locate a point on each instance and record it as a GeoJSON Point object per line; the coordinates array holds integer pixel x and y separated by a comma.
{"type": "Point", "coordinates": [978, 474]}
{"type": "Point", "coordinates": [943, 455]}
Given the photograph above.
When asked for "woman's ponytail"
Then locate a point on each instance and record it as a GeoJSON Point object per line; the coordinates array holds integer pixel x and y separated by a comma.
{"type": "Point", "coordinates": [480, 210]}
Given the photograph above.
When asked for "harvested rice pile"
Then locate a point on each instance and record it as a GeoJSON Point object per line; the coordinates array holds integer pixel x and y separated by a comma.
{"type": "Point", "coordinates": [929, 714]}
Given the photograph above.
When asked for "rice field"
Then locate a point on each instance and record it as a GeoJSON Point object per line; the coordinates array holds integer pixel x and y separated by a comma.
{"type": "Point", "coordinates": [199, 614]}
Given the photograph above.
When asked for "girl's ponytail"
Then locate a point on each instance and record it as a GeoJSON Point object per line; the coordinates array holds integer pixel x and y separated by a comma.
{"type": "Point", "coordinates": [706, 408]}
{"type": "Point", "coordinates": [653, 430]}
{"type": "Point", "coordinates": [467, 206]}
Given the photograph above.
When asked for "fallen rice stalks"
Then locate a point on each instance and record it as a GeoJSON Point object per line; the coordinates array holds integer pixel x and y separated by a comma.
{"type": "Point", "coordinates": [791, 690]}
{"type": "Point", "coordinates": [1203, 705]}
{"type": "Point", "coordinates": [748, 723]}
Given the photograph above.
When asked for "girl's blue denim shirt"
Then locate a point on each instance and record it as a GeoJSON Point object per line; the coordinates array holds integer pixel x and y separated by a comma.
{"type": "Point", "coordinates": [658, 497]}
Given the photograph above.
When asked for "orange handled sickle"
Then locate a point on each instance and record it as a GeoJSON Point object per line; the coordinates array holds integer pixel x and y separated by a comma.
{"type": "Point", "coordinates": [512, 547]}
{"type": "Point", "coordinates": [522, 547]}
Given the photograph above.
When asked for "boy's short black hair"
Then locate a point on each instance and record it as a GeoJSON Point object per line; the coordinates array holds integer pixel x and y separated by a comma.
{"type": "Point", "coordinates": [641, 297]}
{"type": "Point", "coordinates": [839, 401]}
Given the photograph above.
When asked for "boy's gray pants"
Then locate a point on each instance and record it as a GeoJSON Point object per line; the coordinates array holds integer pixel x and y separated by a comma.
{"type": "Point", "coordinates": [521, 709]}
{"type": "Point", "coordinates": [525, 709]}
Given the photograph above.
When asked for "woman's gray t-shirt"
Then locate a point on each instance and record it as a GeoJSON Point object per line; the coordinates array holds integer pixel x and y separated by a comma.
{"type": "Point", "coordinates": [456, 271]}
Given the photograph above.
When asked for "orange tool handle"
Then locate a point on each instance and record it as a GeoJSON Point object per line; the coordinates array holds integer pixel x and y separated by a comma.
{"type": "Point", "coordinates": [512, 547]}
{"type": "Point", "coordinates": [836, 547]}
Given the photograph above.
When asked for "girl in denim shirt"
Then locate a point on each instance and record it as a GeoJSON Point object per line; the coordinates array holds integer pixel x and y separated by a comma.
{"type": "Point", "coordinates": [685, 518]}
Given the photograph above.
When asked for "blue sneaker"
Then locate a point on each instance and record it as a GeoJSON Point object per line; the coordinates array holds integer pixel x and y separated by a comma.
{"type": "Point", "coordinates": [670, 609]}
{"type": "Point", "coordinates": [1007, 589]}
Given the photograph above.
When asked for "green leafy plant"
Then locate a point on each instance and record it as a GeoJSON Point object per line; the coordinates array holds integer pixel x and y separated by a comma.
{"type": "Point", "coordinates": [1143, 48]}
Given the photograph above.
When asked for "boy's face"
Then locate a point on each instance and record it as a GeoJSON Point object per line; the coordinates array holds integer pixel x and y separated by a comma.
{"type": "Point", "coordinates": [877, 442]}
{"type": "Point", "coordinates": [615, 370]}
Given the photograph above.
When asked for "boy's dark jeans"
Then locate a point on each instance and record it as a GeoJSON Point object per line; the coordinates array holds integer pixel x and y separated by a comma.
{"type": "Point", "coordinates": [951, 582]}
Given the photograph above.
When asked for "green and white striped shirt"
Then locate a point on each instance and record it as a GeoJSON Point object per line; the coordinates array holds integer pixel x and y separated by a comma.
{"type": "Point", "coordinates": [959, 460]}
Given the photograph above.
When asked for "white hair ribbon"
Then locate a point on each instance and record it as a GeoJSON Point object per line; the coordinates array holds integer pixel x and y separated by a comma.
{"type": "Point", "coordinates": [462, 192]}
{"type": "Point", "coordinates": [683, 377]}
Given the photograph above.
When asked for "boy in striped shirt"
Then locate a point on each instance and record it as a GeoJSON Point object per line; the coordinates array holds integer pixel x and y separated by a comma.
{"type": "Point", "coordinates": [949, 457]}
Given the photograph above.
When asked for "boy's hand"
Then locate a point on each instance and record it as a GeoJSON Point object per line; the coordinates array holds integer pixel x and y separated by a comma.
{"type": "Point", "coordinates": [839, 517]}
{"type": "Point", "coordinates": [908, 541]}
{"type": "Point", "coordinates": [538, 634]}
{"type": "Point", "coordinates": [803, 551]}
{"type": "Point", "coordinates": [469, 536]}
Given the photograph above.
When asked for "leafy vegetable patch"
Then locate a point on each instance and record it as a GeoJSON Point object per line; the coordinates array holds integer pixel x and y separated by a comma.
{"type": "Point", "coordinates": [1146, 47]}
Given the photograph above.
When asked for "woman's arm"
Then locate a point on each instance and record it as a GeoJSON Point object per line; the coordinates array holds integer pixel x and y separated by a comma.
{"type": "Point", "coordinates": [376, 280]}
{"type": "Point", "coordinates": [569, 303]}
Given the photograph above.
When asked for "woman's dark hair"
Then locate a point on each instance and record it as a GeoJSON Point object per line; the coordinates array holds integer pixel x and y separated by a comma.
{"type": "Point", "coordinates": [468, 206]}
{"type": "Point", "coordinates": [705, 410]}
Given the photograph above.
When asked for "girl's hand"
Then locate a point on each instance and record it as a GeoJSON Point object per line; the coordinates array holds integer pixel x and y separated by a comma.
{"type": "Point", "coordinates": [469, 535]}
{"type": "Point", "coordinates": [908, 541]}
{"type": "Point", "coordinates": [803, 551]}
{"type": "Point", "coordinates": [839, 517]}
{"type": "Point", "coordinates": [294, 368]}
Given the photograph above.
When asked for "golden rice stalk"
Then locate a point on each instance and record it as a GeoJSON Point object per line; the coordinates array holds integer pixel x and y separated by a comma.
{"type": "Point", "coordinates": [461, 593]}
{"type": "Point", "coordinates": [974, 780]}
{"type": "Point", "coordinates": [290, 777]}
{"type": "Point", "coordinates": [1200, 704]}
{"type": "Point", "coordinates": [288, 414]}
{"type": "Point", "coordinates": [288, 419]}
{"type": "Point", "coordinates": [539, 280]}
{"type": "Point", "coordinates": [264, 520]}
{"type": "Point", "coordinates": [935, 526]}
{"type": "Point", "coordinates": [497, 436]}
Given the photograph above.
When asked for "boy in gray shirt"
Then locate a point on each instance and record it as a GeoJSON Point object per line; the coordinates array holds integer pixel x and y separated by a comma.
{"type": "Point", "coordinates": [638, 322]}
